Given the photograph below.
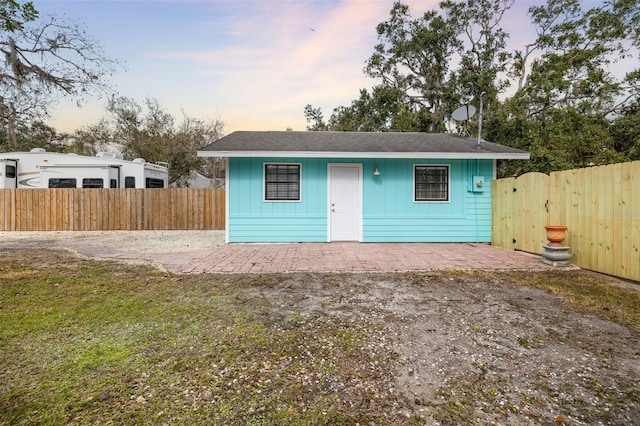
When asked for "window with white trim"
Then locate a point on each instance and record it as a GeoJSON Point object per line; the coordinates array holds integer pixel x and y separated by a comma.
{"type": "Point", "coordinates": [431, 183]}
{"type": "Point", "coordinates": [282, 182]}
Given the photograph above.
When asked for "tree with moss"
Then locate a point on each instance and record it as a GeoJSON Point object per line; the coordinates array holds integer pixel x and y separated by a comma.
{"type": "Point", "coordinates": [568, 100]}
{"type": "Point", "coordinates": [45, 58]}
{"type": "Point", "coordinates": [420, 84]}
{"type": "Point", "coordinates": [566, 104]}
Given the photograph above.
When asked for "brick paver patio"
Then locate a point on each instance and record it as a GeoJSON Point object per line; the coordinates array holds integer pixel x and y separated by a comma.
{"type": "Point", "coordinates": [331, 257]}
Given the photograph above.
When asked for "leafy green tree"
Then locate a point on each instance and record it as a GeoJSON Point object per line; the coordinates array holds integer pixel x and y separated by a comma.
{"type": "Point", "coordinates": [150, 132]}
{"type": "Point", "coordinates": [567, 106]}
{"type": "Point", "coordinates": [315, 117]}
{"type": "Point", "coordinates": [37, 134]}
{"type": "Point", "coordinates": [576, 48]}
{"type": "Point", "coordinates": [190, 135]}
{"type": "Point", "coordinates": [143, 131]}
{"type": "Point", "coordinates": [380, 110]}
{"type": "Point", "coordinates": [625, 130]}
{"type": "Point", "coordinates": [91, 139]}
{"type": "Point", "coordinates": [413, 57]}
{"type": "Point", "coordinates": [34, 134]}
{"type": "Point", "coordinates": [482, 49]}
{"type": "Point", "coordinates": [13, 15]}
{"type": "Point", "coordinates": [371, 112]}
{"type": "Point", "coordinates": [561, 139]}
{"type": "Point", "coordinates": [413, 60]}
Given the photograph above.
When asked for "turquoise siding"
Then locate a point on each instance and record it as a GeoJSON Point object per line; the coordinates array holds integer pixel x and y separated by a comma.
{"type": "Point", "coordinates": [389, 212]}
{"type": "Point", "coordinates": [251, 219]}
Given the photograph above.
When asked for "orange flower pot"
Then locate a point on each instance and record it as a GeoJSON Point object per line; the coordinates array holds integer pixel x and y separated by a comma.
{"type": "Point", "coordinates": [556, 234]}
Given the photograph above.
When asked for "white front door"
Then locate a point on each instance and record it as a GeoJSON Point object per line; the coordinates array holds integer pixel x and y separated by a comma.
{"type": "Point", "coordinates": [345, 211]}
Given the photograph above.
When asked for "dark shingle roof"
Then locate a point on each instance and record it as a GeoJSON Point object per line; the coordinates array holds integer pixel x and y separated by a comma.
{"type": "Point", "coordinates": [355, 144]}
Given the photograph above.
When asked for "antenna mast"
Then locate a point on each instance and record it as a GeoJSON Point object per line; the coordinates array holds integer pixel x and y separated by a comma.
{"type": "Point", "coordinates": [480, 121]}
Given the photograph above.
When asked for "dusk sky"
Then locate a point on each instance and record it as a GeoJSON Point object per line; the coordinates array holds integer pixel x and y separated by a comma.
{"type": "Point", "coordinates": [252, 64]}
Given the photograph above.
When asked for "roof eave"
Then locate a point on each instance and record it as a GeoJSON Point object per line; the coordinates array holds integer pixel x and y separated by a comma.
{"type": "Point", "coordinates": [323, 154]}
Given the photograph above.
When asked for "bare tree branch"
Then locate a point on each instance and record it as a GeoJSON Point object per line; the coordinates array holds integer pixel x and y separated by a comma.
{"type": "Point", "coordinates": [44, 60]}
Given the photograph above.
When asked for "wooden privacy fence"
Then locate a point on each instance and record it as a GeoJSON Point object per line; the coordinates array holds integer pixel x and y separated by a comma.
{"type": "Point", "coordinates": [111, 209]}
{"type": "Point", "coordinates": [599, 205]}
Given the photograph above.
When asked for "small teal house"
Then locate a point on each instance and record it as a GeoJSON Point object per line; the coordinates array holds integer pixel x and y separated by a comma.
{"type": "Point", "coordinates": [356, 186]}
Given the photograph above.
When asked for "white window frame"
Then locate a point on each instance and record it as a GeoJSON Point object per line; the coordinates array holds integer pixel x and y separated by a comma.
{"type": "Point", "coordinates": [448, 200]}
{"type": "Point", "coordinates": [264, 181]}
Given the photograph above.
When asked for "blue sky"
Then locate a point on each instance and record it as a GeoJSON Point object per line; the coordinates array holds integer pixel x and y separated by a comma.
{"type": "Point", "coordinates": [253, 64]}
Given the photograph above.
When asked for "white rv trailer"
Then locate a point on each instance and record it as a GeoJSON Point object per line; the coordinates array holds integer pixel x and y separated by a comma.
{"type": "Point", "coordinates": [41, 169]}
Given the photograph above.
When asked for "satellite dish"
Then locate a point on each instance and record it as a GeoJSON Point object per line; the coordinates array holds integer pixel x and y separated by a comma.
{"type": "Point", "coordinates": [463, 113]}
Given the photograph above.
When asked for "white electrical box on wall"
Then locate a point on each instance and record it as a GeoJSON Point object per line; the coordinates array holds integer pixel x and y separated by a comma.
{"type": "Point", "coordinates": [477, 184]}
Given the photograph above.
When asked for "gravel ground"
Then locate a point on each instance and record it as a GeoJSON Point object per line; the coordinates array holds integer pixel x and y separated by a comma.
{"type": "Point", "coordinates": [136, 241]}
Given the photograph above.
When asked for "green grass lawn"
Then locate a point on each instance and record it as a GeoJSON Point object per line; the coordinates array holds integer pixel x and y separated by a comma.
{"type": "Point", "coordinates": [97, 342]}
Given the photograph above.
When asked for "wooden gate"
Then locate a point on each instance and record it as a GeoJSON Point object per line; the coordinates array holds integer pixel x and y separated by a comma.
{"type": "Point", "coordinates": [521, 209]}
{"type": "Point", "coordinates": [599, 205]}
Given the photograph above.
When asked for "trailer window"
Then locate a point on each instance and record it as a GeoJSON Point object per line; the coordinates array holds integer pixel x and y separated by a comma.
{"type": "Point", "coordinates": [62, 183]}
{"type": "Point", "coordinates": [130, 182]}
{"type": "Point", "coordinates": [92, 183]}
{"type": "Point", "coordinates": [113, 183]}
{"type": "Point", "coordinates": [10, 171]}
{"type": "Point", "coordinates": [154, 183]}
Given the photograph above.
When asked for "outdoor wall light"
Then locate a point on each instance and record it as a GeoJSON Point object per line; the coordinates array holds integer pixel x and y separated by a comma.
{"type": "Point", "coordinates": [376, 170]}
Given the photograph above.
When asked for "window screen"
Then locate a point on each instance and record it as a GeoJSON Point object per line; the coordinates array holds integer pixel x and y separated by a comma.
{"type": "Point", "coordinates": [130, 182]}
{"type": "Point", "coordinates": [431, 183]}
{"type": "Point", "coordinates": [10, 172]}
{"type": "Point", "coordinates": [62, 183]}
{"type": "Point", "coordinates": [282, 182]}
{"type": "Point", "coordinates": [92, 183]}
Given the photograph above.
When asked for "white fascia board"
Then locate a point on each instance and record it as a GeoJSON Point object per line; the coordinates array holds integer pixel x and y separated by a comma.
{"type": "Point", "coordinates": [323, 154]}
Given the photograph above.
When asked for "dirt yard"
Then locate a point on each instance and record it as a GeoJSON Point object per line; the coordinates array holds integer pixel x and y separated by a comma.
{"type": "Point", "coordinates": [474, 347]}
{"type": "Point", "coordinates": [477, 347]}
